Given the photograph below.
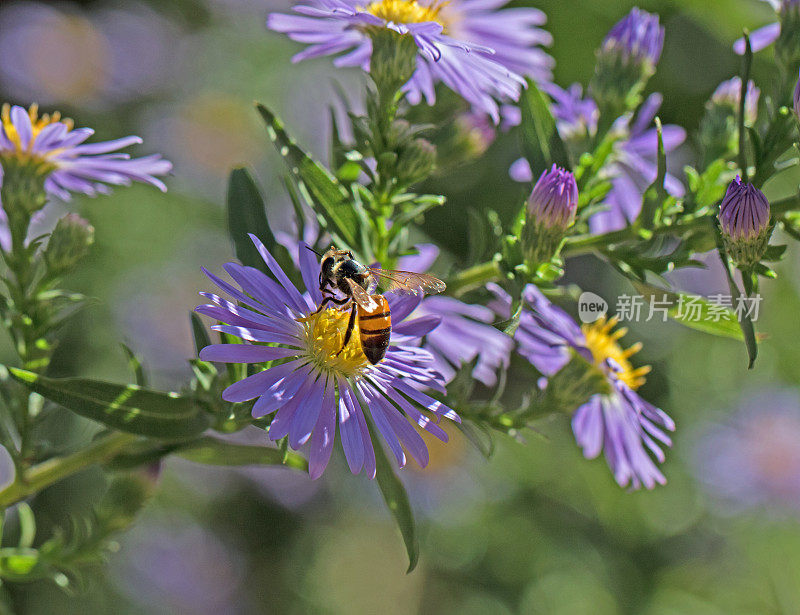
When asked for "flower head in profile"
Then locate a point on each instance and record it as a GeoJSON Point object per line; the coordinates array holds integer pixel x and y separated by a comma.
{"type": "Point", "coordinates": [474, 50]}
{"type": "Point", "coordinates": [752, 458]}
{"type": "Point", "coordinates": [59, 150]}
{"type": "Point", "coordinates": [310, 380]}
{"type": "Point", "coordinates": [626, 428]}
{"type": "Point", "coordinates": [729, 94]}
{"type": "Point", "coordinates": [638, 37]}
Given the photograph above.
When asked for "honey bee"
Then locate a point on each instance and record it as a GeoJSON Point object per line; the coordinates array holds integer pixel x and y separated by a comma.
{"type": "Point", "coordinates": [358, 283]}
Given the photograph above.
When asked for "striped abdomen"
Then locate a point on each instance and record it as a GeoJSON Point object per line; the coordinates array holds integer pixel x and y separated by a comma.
{"type": "Point", "coordinates": [376, 329]}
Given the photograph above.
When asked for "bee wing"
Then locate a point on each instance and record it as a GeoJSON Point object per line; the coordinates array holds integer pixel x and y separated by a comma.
{"type": "Point", "coordinates": [409, 282]}
{"type": "Point", "coordinates": [361, 297]}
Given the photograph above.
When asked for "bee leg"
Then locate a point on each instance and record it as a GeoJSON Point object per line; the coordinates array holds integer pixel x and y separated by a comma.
{"type": "Point", "coordinates": [351, 324]}
{"type": "Point", "coordinates": [323, 303]}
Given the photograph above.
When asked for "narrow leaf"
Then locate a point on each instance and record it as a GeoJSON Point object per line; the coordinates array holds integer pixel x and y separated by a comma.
{"type": "Point", "coordinates": [199, 333]}
{"type": "Point", "coordinates": [128, 408]}
{"type": "Point", "coordinates": [332, 198]}
{"type": "Point", "coordinates": [218, 452]}
{"type": "Point", "coordinates": [541, 142]}
{"type": "Point", "coordinates": [135, 365]}
{"type": "Point", "coordinates": [247, 214]}
{"type": "Point", "coordinates": [396, 498]}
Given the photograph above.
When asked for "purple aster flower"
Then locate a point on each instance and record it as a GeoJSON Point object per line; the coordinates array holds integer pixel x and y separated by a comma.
{"type": "Point", "coordinates": [474, 51]}
{"type": "Point", "coordinates": [622, 425]}
{"type": "Point", "coordinates": [764, 37]}
{"type": "Point", "coordinates": [729, 93]}
{"type": "Point", "coordinates": [752, 459]}
{"type": "Point", "coordinates": [465, 331]}
{"type": "Point", "coordinates": [318, 381]}
{"type": "Point", "coordinates": [576, 116]}
{"type": "Point", "coordinates": [635, 167]}
{"type": "Point", "coordinates": [637, 37]}
{"type": "Point", "coordinates": [73, 166]}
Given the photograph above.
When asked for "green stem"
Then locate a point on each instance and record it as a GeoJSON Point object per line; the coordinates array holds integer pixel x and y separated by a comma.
{"type": "Point", "coordinates": [473, 277]}
{"type": "Point", "coordinates": [53, 470]}
{"type": "Point", "coordinates": [584, 244]}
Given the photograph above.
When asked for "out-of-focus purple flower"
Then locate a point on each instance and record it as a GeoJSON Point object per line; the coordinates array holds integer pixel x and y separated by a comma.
{"type": "Point", "coordinates": [482, 56]}
{"type": "Point", "coordinates": [465, 331]}
{"type": "Point", "coordinates": [319, 380]}
{"type": "Point", "coordinates": [178, 565]}
{"type": "Point", "coordinates": [111, 54]}
{"type": "Point", "coordinates": [753, 458]}
{"type": "Point", "coordinates": [729, 93]}
{"type": "Point", "coordinates": [620, 424]}
{"type": "Point", "coordinates": [576, 116]}
{"type": "Point", "coordinates": [637, 37]}
{"type": "Point", "coordinates": [764, 37]}
{"type": "Point", "coordinates": [635, 167]}
{"type": "Point", "coordinates": [72, 165]}
{"type": "Point", "coordinates": [797, 99]}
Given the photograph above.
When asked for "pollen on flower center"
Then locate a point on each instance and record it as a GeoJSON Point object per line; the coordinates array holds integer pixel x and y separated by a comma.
{"type": "Point", "coordinates": [325, 333]}
{"type": "Point", "coordinates": [602, 343]}
{"type": "Point", "coordinates": [405, 11]}
{"type": "Point", "coordinates": [38, 124]}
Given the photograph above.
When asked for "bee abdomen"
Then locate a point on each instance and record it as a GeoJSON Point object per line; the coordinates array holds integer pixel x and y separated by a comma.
{"type": "Point", "coordinates": [375, 329]}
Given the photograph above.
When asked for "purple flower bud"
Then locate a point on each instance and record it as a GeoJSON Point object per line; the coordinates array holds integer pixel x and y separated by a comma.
{"type": "Point", "coordinates": [638, 36]}
{"type": "Point", "coordinates": [744, 220]}
{"type": "Point", "coordinates": [550, 211]}
{"type": "Point", "coordinates": [554, 199]}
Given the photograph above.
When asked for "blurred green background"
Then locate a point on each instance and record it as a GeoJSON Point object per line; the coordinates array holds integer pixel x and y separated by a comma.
{"type": "Point", "coordinates": [536, 530]}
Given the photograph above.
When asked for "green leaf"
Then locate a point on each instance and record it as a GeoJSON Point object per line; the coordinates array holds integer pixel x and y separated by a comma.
{"type": "Point", "coordinates": [18, 564]}
{"type": "Point", "coordinates": [694, 311]}
{"type": "Point", "coordinates": [656, 194]}
{"type": "Point", "coordinates": [247, 214]}
{"type": "Point", "coordinates": [135, 365]}
{"type": "Point", "coordinates": [218, 452]}
{"type": "Point", "coordinates": [331, 197]}
{"type": "Point", "coordinates": [540, 139]}
{"type": "Point", "coordinates": [128, 408]}
{"type": "Point", "coordinates": [199, 333]}
{"type": "Point", "coordinates": [396, 498]}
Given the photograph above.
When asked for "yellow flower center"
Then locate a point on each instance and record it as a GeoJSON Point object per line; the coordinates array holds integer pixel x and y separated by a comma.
{"type": "Point", "coordinates": [405, 11]}
{"type": "Point", "coordinates": [602, 342]}
{"type": "Point", "coordinates": [38, 125]}
{"type": "Point", "coordinates": [325, 333]}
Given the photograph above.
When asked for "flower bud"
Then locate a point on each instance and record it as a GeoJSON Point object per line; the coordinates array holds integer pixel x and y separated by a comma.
{"type": "Point", "coordinates": [787, 47]}
{"type": "Point", "coordinates": [626, 60]}
{"type": "Point", "coordinates": [416, 161]}
{"type": "Point", "coordinates": [719, 131]}
{"type": "Point", "coordinates": [393, 60]}
{"type": "Point", "coordinates": [69, 243]}
{"type": "Point", "coordinates": [550, 211]}
{"type": "Point", "coordinates": [745, 224]}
